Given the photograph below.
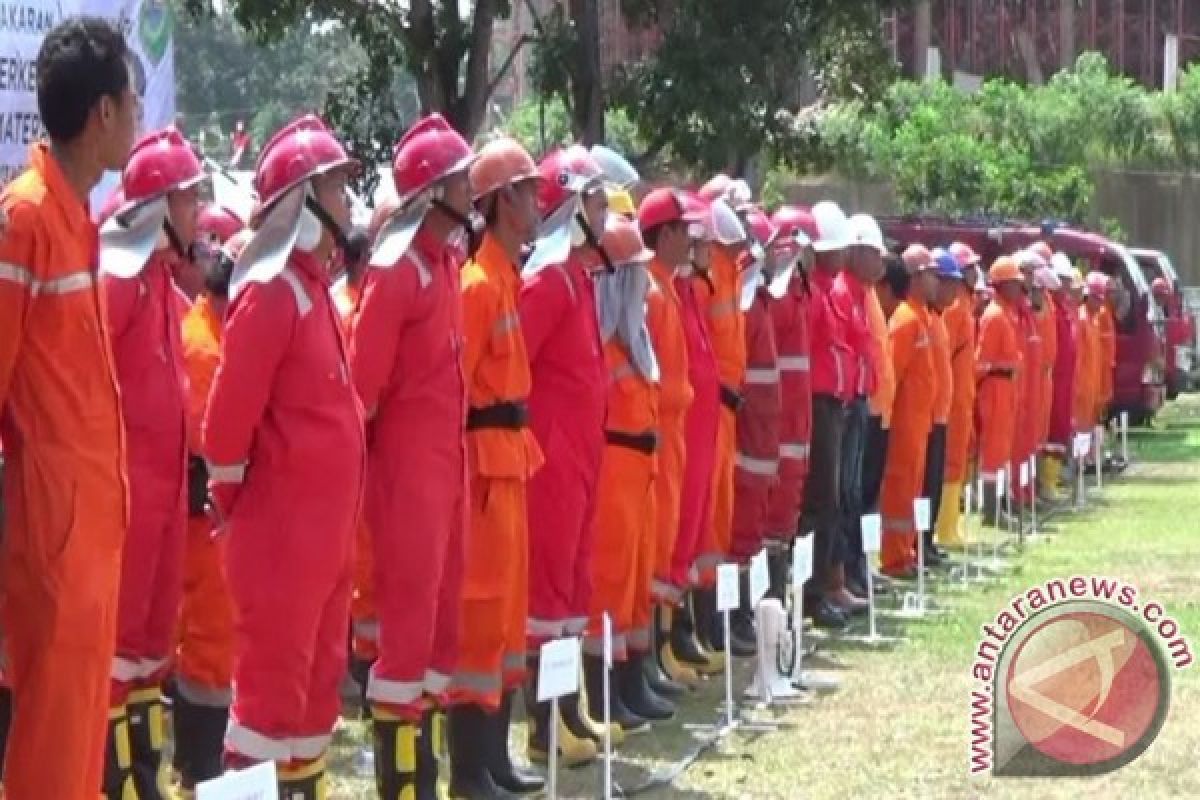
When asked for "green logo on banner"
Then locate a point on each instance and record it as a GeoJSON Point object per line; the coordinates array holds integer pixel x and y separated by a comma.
{"type": "Point", "coordinates": [154, 29]}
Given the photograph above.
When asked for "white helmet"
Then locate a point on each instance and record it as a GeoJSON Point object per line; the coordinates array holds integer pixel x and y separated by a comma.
{"type": "Point", "coordinates": [832, 226]}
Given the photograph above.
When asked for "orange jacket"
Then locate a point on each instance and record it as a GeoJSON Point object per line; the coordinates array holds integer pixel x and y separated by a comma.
{"type": "Point", "coordinates": [201, 356]}
{"type": "Point", "coordinates": [724, 319]}
{"type": "Point", "coordinates": [998, 361]}
{"type": "Point", "coordinates": [1087, 373]}
{"type": "Point", "coordinates": [881, 399]}
{"type": "Point", "coordinates": [943, 371]}
{"type": "Point", "coordinates": [1106, 332]}
{"type": "Point", "coordinates": [65, 485]}
{"type": "Point", "coordinates": [959, 320]}
{"type": "Point", "coordinates": [911, 347]}
{"type": "Point", "coordinates": [1048, 330]}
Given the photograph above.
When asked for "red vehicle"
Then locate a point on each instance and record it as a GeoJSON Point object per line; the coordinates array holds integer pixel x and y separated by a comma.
{"type": "Point", "coordinates": [1139, 381]}
{"type": "Point", "coordinates": [1180, 356]}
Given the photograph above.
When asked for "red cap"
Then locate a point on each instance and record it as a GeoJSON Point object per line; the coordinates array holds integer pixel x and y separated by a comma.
{"type": "Point", "coordinates": [668, 205]}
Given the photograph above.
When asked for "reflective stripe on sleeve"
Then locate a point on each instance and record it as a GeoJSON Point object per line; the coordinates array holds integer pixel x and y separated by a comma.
{"type": "Point", "coordinates": [226, 473]}
{"type": "Point", "coordinates": [794, 364]}
{"type": "Point", "coordinates": [757, 466]}
{"type": "Point", "coordinates": [303, 301]}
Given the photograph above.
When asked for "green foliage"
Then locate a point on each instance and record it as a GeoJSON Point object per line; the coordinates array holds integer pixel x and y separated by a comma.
{"type": "Point", "coordinates": [525, 124]}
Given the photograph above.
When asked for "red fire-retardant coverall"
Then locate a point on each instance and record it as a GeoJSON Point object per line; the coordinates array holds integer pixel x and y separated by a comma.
{"type": "Point", "coordinates": [959, 319]}
{"type": "Point", "coordinates": [1048, 331]}
{"type": "Point", "coordinates": [693, 555]}
{"type": "Point", "coordinates": [143, 317]}
{"type": "Point", "coordinates": [501, 457]}
{"type": "Point", "coordinates": [204, 665]}
{"type": "Point", "coordinates": [727, 333]}
{"type": "Point", "coordinates": [1061, 429]}
{"type": "Point", "coordinates": [911, 349]}
{"type": "Point", "coordinates": [283, 435]}
{"type": "Point", "coordinates": [404, 353]}
{"type": "Point", "coordinates": [664, 319]}
{"type": "Point", "coordinates": [1029, 395]}
{"type": "Point", "coordinates": [64, 488]}
{"type": "Point", "coordinates": [623, 556]}
{"type": "Point", "coordinates": [557, 307]}
{"type": "Point", "coordinates": [758, 424]}
{"type": "Point", "coordinates": [998, 369]}
{"type": "Point", "coordinates": [789, 314]}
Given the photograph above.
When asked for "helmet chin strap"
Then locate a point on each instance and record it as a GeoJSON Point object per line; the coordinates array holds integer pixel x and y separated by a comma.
{"type": "Point", "coordinates": [594, 243]}
{"type": "Point", "coordinates": [472, 223]}
{"type": "Point", "coordinates": [175, 242]}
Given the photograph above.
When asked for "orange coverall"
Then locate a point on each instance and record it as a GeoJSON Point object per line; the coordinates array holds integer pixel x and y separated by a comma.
{"type": "Point", "coordinates": [663, 318]}
{"type": "Point", "coordinates": [1048, 331]}
{"type": "Point", "coordinates": [1087, 373]}
{"type": "Point", "coordinates": [1106, 335]}
{"type": "Point", "coordinates": [910, 348]}
{"type": "Point", "coordinates": [998, 361]}
{"type": "Point", "coordinates": [881, 400]}
{"type": "Point", "coordinates": [65, 491]}
{"type": "Point", "coordinates": [624, 554]}
{"type": "Point", "coordinates": [204, 666]}
{"type": "Point", "coordinates": [1029, 399]}
{"type": "Point", "coordinates": [726, 330]}
{"type": "Point", "coordinates": [959, 320]}
{"type": "Point", "coordinates": [500, 461]}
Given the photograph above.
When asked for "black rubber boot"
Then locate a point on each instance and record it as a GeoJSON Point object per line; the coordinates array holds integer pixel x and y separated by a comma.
{"type": "Point", "coordinates": [509, 776]}
{"type": "Point", "coordinates": [118, 761]}
{"type": "Point", "coordinates": [147, 733]}
{"type": "Point", "coordinates": [5, 706]}
{"type": "Point", "coordinates": [637, 693]}
{"type": "Point", "coordinates": [618, 712]}
{"type": "Point", "coordinates": [470, 779]}
{"type": "Point", "coordinates": [199, 740]}
{"type": "Point", "coordinates": [779, 567]}
{"type": "Point", "coordinates": [660, 681]}
{"type": "Point", "coordinates": [303, 782]}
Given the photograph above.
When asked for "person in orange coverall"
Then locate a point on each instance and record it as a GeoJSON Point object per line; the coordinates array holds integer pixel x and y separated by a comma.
{"type": "Point", "coordinates": [1099, 314]}
{"type": "Point", "coordinates": [935, 448]}
{"type": "Point", "coordinates": [502, 454]}
{"type": "Point", "coordinates": [624, 553]}
{"type": "Point", "coordinates": [791, 255]}
{"type": "Point", "coordinates": [283, 437]}
{"type": "Point", "coordinates": [567, 406]}
{"type": "Point", "coordinates": [959, 319]}
{"type": "Point", "coordinates": [404, 355]}
{"type": "Point", "coordinates": [673, 225]}
{"type": "Point", "coordinates": [910, 347]}
{"type": "Point", "coordinates": [148, 235]}
{"type": "Point", "coordinates": [60, 418]}
{"type": "Point", "coordinates": [1045, 284]}
{"type": "Point", "coordinates": [204, 655]}
{"type": "Point", "coordinates": [998, 365]}
{"type": "Point", "coordinates": [1029, 391]}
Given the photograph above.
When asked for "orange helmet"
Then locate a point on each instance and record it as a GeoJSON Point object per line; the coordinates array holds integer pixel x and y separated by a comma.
{"type": "Point", "coordinates": [917, 257]}
{"type": "Point", "coordinates": [501, 162]}
{"type": "Point", "coordinates": [622, 241]}
{"type": "Point", "coordinates": [1004, 269]}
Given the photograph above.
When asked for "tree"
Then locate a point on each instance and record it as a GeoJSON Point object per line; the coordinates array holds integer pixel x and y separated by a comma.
{"type": "Point", "coordinates": [731, 77]}
{"type": "Point", "coordinates": [566, 65]}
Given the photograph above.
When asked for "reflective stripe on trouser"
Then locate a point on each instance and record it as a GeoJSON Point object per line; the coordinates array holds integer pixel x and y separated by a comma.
{"type": "Point", "coordinates": [668, 490]}
{"type": "Point", "coordinates": [204, 657]}
{"type": "Point", "coordinates": [903, 478]}
{"type": "Point", "coordinates": [492, 613]}
{"type": "Point", "coordinates": [623, 556]}
{"type": "Point", "coordinates": [561, 501]}
{"type": "Point", "coordinates": [151, 584]}
{"type": "Point", "coordinates": [417, 607]}
{"type": "Point", "coordinates": [290, 655]}
{"type": "Point", "coordinates": [948, 532]}
{"type": "Point", "coordinates": [718, 534]}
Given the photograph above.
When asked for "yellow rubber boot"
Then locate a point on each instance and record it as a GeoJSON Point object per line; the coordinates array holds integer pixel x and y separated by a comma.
{"type": "Point", "coordinates": [573, 751]}
{"type": "Point", "coordinates": [118, 758]}
{"type": "Point", "coordinates": [303, 781]}
{"type": "Point", "coordinates": [1049, 471]}
{"type": "Point", "coordinates": [594, 723]}
{"type": "Point", "coordinates": [949, 532]}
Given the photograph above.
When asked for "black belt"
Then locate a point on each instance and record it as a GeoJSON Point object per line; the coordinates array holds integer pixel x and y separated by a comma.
{"type": "Point", "coordinates": [642, 442]}
{"type": "Point", "coordinates": [197, 486]}
{"type": "Point", "coordinates": [731, 398]}
{"type": "Point", "coordinates": [1008, 373]}
{"type": "Point", "coordinates": [509, 416]}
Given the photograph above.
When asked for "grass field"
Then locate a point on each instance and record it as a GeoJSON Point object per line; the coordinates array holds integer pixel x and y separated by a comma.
{"type": "Point", "coordinates": [898, 726]}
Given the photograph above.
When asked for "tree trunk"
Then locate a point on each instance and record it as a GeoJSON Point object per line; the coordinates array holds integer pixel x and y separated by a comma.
{"type": "Point", "coordinates": [477, 89]}
{"type": "Point", "coordinates": [588, 87]}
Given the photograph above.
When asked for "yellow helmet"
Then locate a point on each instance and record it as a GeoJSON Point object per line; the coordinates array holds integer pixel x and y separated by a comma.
{"type": "Point", "coordinates": [621, 202]}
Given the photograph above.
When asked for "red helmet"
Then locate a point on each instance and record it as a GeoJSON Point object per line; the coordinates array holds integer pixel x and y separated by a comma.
{"type": "Point", "coordinates": [794, 222]}
{"type": "Point", "coordinates": [1097, 284]}
{"type": "Point", "coordinates": [301, 150]}
{"type": "Point", "coordinates": [964, 254]}
{"type": "Point", "coordinates": [664, 205]}
{"type": "Point", "coordinates": [218, 221]}
{"type": "Point", "coordinates": [160, 162]}
{"type": "Point", "coordinates": [565, 173]}
{"type": "Point", "coordinates": [430, 151]}
{"type": "Point", "coordinates": [760, 226]}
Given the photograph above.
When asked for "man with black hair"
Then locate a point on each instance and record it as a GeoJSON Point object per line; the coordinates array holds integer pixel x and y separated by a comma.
{"type": "Point", "coordinates": [64, 441]}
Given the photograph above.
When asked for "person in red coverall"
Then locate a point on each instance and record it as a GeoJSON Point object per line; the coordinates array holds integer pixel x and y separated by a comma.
{"type": "Point", "coordinates": [567, 406]}
{"type": "Point", "coordinates": [148, 235]}
{"type": "Point", "coordinates": [404, 355]}
{"type": "Point", "coordinates": [204, 655]}
{"type": "Point", "coordinates": [283, 436]}
{"type": "Point", "coordinates": [1059, 437]}
{"type": "Point", "coordinates": [1029, 391]}
{"type": "Point", "coordinates": [788, 261]}
{"type": "Point", "coordinates": [672, 224]}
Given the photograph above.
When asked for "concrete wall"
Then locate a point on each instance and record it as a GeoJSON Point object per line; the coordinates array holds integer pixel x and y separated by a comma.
{"type": "Point", "coordinates": [1155, 209]}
